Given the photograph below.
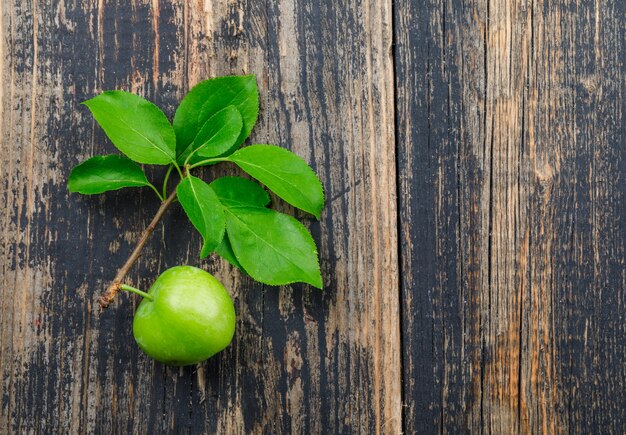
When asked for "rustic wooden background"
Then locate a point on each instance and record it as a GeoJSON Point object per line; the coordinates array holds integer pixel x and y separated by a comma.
{"type": "Point", "coordinates": [473, 243]}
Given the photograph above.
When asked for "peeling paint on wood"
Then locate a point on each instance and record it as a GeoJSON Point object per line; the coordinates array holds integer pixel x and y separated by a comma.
{"type": "Point", "coordinates": [472, 246]}
{"type": "Point", "coordinates": [302, 359]}
{"type": "Point", "coordinates": [512, 196]}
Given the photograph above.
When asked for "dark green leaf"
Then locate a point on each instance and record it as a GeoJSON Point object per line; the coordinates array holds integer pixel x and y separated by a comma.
{"type": "Point", "coordinates": [272, 247]}
{"type": "Point", "coordinates": [204, 211]}
{"type": "Point", "coordinates": [240, 192]}
{"type": "Point", "coordinates": [284, 173]}
{"type": "Point", "coordinates": [225, 250]}
{"type": "Point", "coordinates": [217, 136]}
{"type": "Point", "coordinates": [136, 127]}
{"type": "Point", "coordinates": [209, 97]}
{"type": "Point", "coordinates": [102, 173]}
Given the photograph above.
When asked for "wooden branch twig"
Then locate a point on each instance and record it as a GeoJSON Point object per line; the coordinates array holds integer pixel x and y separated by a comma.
{"type": "Point", "coordinates": [110, 293]}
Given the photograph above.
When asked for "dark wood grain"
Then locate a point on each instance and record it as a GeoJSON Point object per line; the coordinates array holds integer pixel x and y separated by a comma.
{"type": "Point", "coordinates": [302, 360]}
{"type": "Point", "coordinates": [473, 244]}
{"type": "Point", "coordinates": [512, 182]}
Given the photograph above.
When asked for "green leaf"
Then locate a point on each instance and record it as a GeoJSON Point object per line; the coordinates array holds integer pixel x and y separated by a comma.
{"type": "Point", "coordinates": [225, 250]}
{"type": "Point", "coordinates": [240, 192]}
{"type": "Point", "coordinates": [204, 211]}
{"type": "Point", "coordinates": [217, 136]}
{"type": "Point", "coordinates": [136, 127]}
{"type": "Point", "coordinates": [209, 97]}
{"type": "Point", "coordinates": [237, 192]}
{"type": "Point", "coordinates": [102, 173]}
{"type": "Point", "coordinates": [272, 247]}
{"type": "Point", "coordinates": [284, 173]}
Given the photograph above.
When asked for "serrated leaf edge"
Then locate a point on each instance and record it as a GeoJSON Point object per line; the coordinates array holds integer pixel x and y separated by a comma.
{"type": "Point", "coordinates": [279, 283]}
{"type": "Point", "coordinates": [317, 212]}
{"type": "Point", "coordinates": [171, 159]}
{"type": "Point", "coordinates": [144, 182]}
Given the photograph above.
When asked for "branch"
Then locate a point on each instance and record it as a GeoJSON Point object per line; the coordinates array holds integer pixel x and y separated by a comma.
{"type": "Point", "coordinates": [108, 296]}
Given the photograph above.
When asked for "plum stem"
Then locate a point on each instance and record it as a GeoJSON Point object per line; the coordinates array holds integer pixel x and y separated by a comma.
{"type": "Point", "coordinates": [136, 291]}
{"type": "Point", "coordinates": [113, 289]}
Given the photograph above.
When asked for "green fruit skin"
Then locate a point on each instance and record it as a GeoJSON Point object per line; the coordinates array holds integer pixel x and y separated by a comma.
{"type": "Point", "coordinates": [191, 318]}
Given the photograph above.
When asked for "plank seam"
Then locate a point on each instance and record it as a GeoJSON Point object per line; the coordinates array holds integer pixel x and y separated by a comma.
{"type": "Point", "coordinates": [394, 56]}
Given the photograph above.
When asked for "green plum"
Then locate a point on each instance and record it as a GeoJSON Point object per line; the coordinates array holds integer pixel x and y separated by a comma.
{"type": "Point", "coordinates": [186, 317]}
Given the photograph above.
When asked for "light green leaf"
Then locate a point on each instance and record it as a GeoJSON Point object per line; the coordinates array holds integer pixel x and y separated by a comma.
{"type": "Point", "coordinates": [217, 136]}
{"type": "Point", "coordinates": [284, 173]}
{"type": "Point", "coordinates": [272, 247]}
{"type": "Point", "coordinates": [136, 127]}
{"type": "Point", "coordinates": [204, 211]}
{"type": "Point", "coordinates": [209, 97]}
{"type": "Point", "coordinates": [102, 173]}
{"type": "Point", "coordinates": [240, 192]}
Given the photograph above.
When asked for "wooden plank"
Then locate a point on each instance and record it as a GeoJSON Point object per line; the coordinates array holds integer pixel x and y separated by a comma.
{"type": "Point", "coordinates": [512, 196]}
{"type": "Point", "coordinates": [590, 215]}
{"type": "Point", "coordinates": [302, 360]}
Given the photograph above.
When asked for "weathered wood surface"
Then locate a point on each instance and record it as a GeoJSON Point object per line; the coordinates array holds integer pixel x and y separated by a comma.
{"type": "Point", "coordinates": [472, 246]}
{"type": "Point", "coordinates": [512, 199]}
{"type": "Point", "coordinates": [303, 360]}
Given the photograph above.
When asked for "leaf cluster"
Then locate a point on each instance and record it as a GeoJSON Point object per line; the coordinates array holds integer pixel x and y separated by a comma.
{"type": "Point", "coordinates": [231, 213]}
